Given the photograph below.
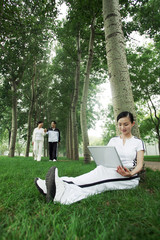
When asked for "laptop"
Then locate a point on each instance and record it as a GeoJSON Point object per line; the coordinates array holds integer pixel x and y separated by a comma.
{"type": "Point", "coordinates": [105, 156]}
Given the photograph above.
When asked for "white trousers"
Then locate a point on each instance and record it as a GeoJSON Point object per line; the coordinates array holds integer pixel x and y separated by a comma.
{"type": "Point", "coordinates": [38, 146]}
{"type": "Point", "coordinates": [99, 180]}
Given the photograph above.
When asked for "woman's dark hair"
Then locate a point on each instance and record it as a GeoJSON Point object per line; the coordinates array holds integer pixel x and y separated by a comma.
{"type": "Point", "coordinates": [39, 122]}
{"type": "Point", "coordinates": [125, 114]}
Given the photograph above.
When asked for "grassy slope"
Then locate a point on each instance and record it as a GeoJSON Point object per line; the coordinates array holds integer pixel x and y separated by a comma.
{"type": "Point", "coordinates": [24, 214]}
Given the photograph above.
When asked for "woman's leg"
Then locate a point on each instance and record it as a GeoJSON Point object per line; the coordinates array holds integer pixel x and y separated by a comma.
{"type": "Point", "coordinates": [99, 180]}
{"type": "Point", "coordinates": [35, 149]}
{"type": "Point", "coordinates": [40, 147]}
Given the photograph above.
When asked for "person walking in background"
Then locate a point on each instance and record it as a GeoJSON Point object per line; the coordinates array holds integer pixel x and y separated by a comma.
{"type": "Point", "coordinates": [38, 140]}
{"type": "Point", "coordinates": [53, 140]}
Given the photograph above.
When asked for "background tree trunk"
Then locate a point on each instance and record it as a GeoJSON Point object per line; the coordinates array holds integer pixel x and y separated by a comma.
{"type": "Point", "coordinates": [122, 96]}
{"type": "Point", "coordinates": [83, 115]}
{"type": "Point", "coordinates": [70, 142]}
{"type": "Point", "coordinates": [67, 139]}
{"type": "Point", "coordinates": [14, 121]}
{"type": "Point", "coordinates": [74, 103]}
{"type": "Point", "coordinates": [31, 112]}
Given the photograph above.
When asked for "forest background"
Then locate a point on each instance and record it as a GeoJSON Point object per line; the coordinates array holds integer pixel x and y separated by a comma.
{"type": "Point", "coordinates": [36, 84]}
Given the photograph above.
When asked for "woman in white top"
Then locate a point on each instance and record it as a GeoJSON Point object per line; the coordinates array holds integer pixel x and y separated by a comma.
{"type": "Point", "coordinates": [68, 190]}
{"type": "Point", "coordinates": [37, 140]}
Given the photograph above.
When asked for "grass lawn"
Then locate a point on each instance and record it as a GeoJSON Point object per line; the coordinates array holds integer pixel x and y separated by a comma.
{"type": "Point", "coordinates": [152, 158]}
{"type": "Point", "coordinates": [118, 215]}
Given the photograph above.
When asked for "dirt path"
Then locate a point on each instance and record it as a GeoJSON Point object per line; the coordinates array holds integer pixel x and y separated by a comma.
{"type": "Point", "coordinates": [152, 165]}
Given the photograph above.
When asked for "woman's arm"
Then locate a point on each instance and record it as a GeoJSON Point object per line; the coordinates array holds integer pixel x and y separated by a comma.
{"type": "Point", "coordinates": [126, 172]}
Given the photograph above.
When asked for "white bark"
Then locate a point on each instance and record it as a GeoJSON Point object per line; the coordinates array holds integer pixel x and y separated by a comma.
{"type": "Point", "coordinates": [14, 121]}
{"type": "Point", "coordinates": [31, 112]}
{"type": "Point", "coordinates": [70, 138]}
{"type": "Point", "coordinates": [74, 103]}
{"type": "Point", "coordinates": [122, 96]}
{"type": "Point", "coordinates": [83, 115]}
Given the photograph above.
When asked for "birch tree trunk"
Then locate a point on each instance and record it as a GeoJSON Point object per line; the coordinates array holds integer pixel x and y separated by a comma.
{"type": "Point", "coordinates": [122, 96]}
{"type": "Point", "coordinates": [83, 113]}
{"type": "Point", "coordinates": [31, 112]}
{"type": "Point", "coordinates": [67, 139]}
{"type": "Point", "coordinates": [14, 121]}
{"type": "Point", "coordinates": [70, 138]}
{"type": "Point", "coordinates": [74, 103]}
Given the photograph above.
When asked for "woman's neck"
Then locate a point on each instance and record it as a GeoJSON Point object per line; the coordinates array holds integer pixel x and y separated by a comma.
{"type": "Point", "coordinates": [126, 136]}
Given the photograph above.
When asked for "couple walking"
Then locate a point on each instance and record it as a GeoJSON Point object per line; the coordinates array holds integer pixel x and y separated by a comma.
{"type": "Point", "coordinates": [53, 140]}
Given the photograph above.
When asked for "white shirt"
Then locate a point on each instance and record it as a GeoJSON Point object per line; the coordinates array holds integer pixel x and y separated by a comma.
{"type": "Point", "coordinates": [53, 135]}
{"type": "Point", "coordinates": [127, 151]}
{"type": "Point", "coordinates": [38, 134]}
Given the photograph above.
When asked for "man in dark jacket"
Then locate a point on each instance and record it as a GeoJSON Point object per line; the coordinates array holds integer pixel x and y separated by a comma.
{"type": "Point", "coordinates": [53, 140]}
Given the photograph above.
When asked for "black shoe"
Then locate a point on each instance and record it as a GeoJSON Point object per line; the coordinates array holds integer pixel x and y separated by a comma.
{"type": "Point", "coordinates": [50, 183]}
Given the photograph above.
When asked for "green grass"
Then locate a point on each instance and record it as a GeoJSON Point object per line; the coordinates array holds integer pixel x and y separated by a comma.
{"type": "Point", "coordinates": [152, 158]}
{"type": "Point", "coordinates": [118, 215]}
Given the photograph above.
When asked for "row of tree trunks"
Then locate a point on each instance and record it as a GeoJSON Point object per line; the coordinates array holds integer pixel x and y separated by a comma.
{"type": "Point", "coordinates": [72, 144]}
{"type": "Point", "coordinates": [72, 137]}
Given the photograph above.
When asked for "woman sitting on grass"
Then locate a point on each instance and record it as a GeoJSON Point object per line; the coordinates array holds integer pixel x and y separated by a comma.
{"type": "Point", "coordinates": [68, 190]}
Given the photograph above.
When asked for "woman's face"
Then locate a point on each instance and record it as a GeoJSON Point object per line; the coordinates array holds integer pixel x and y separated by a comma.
{"type": "Point", "coordinates": [40, 125]}
{"type": "Point", "coordinates": [125, 125]}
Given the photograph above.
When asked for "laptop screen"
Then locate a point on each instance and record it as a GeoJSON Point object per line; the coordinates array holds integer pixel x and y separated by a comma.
{"type": "Point", "coordinates": [105, 156]}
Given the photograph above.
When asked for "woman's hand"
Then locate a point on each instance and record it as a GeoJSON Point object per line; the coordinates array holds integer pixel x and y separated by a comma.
{"type": "Point", "coordinates": [124, 171]}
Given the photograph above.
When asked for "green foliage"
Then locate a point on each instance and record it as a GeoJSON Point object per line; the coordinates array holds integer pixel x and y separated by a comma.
{"type": "Point", "coordinates": [26, 27]}
{"type": "Point", "coordinates": [24, 213]}
{"type": "Point", "coordinates": [144, 72]}
{"type": "Point", "coordinates": [142, 16]}
{"type": "Point", "coordinates": [4, 144]}
{"type": "Point", "coordinates": [143, 11]}
{"type": "Point", "coordinates": [147, 130]}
